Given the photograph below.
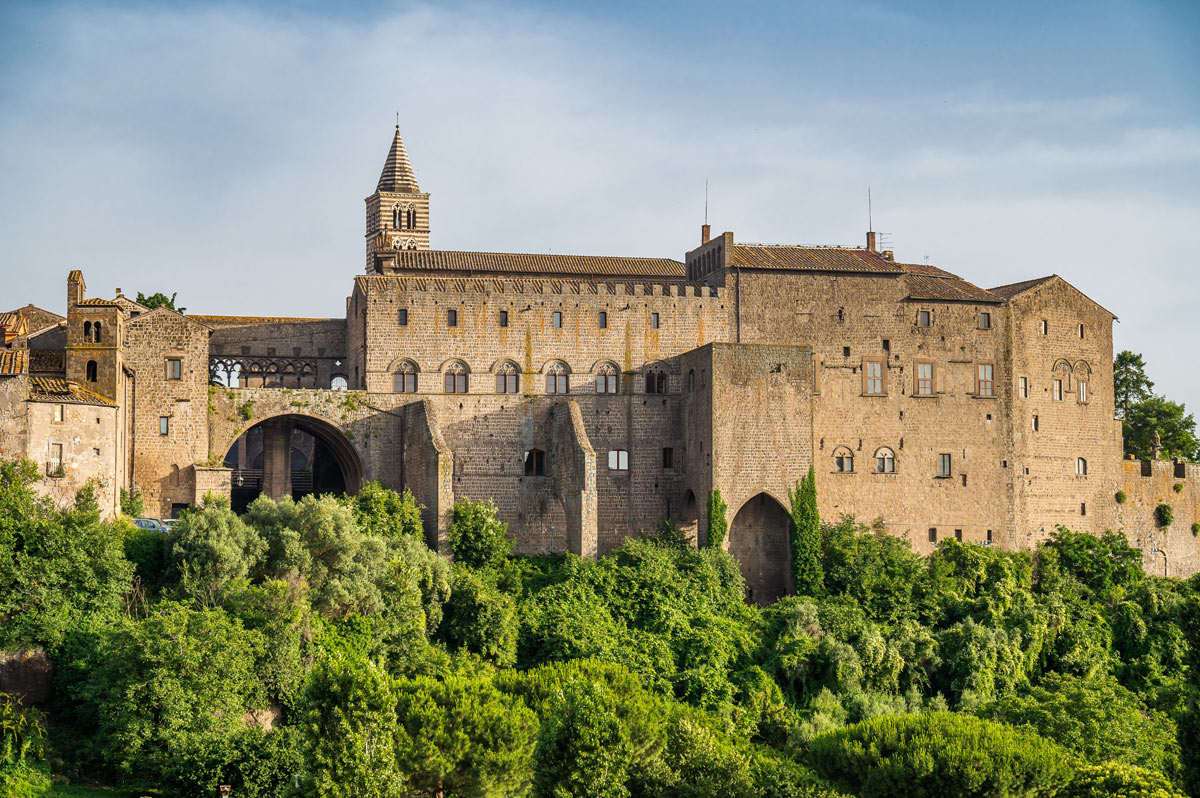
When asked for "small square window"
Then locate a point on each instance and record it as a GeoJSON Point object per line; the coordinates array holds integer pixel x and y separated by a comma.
{"type": "Point", "coordinates": [985, 320]}
{"type": "Point", "coordinates": [504, 318]}
{"type": "Point", "coordinates": [451, 318]}
{"type": "Point", "coordinates": [668, 457]}
{"type": "Point", "coordinates": [924, 318]}
{"type": "Point", "coordinates": [403, 317]}
{"type": "Point", "coordinates": [174, 368]}
{"type": "Point", "coordinates": [557, 319]}
{"type": "Point", "coordinates": [958, 535]}
{"type": "Point", "coordinates": [618, 460]}
{"type": "Point", "coordinates": [535, 463]}
{"type": "Point", "coordinates": [654, 321]}
{"type": "Point", "coordinates": [164, 425]}
{"type": "Point", "coordinates": [933, 534]}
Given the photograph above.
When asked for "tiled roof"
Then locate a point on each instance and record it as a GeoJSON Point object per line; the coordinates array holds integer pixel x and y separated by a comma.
{"type": "Point", "coordinates": [75, 276]}
{"type": "Point", "coordinates": [38, 318]}
{"type": "Point", "coordinates": [12, 361]}
{"type": "Point", "coordinates": [98, 302]}
{"type": "Point", "coordinates": [926, 269]}
{"type": "Point", "coordinates": [13, 324]}
{"type": "Point", "coordinates": [1012, 289]}
{"type": "Point", "coordinates": [397, 176]}
{"type": "Point", "coordinates": [817, 259]}
{"type": "Point", "coordinates": [240, 320]}
{"type": "Point", "coordinates": [953, 289]}
{"type": "Point", "coordinates": [484, 263]}
{"type": "Point", "coordinates": [49, 389]}
{"type": "Point", "coordinates": [43, 360]}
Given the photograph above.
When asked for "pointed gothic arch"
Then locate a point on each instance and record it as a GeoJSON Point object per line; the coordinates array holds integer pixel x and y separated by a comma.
{"type": "Point", "coordinates": [758, 539]}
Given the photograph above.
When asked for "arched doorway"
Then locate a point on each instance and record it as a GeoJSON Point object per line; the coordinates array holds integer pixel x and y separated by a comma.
{"type": "Point", "coordinates": [689, 518]}
{"type": "Point", "coordinates": [292, 455]}
{"type": "Point", "coordinates": [758, 538]}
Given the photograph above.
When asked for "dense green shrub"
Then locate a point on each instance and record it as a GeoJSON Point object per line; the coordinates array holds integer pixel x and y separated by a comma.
{"type": "Point", "coordinates": [480, 619]}
{"type": "Point", "coordinates": [1121, 497]}
{"type": "Point", "coordinates": [1116, 780]}
{"type": "Point", "coordinates": [131, 503]}
{"type": "Point", "coordinates": [804, 537]}
{"type": "Point", "coordinates": [583, 748]}
{"type": "Point", "coordinates": [214, 549]}
{"type": "Point", "coordinates": [21, 746]}
{"type": "Point", "coordinates": [477, 537]}
{"type": "Point", "coordinates": [718, 520]}
{"type": "Point", "coordinates": [1164, 514]}
{"type": "Point", "coordinates": [384, 513]}
{"type": "Point", "coordinates": [939, 753]}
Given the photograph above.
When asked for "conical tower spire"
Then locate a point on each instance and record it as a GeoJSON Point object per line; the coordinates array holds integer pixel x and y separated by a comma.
{"type": "Point", "coordinates": [397, 176]}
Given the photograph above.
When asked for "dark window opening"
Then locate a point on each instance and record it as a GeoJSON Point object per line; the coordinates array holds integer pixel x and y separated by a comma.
{"type": "Point", "coordinates": [943, 465]}
{"type": "Point", "coordinates": [668, 457]}
{"type": "Point", "coordinates": [654, 321]}
{"type": "Point", "coordinates": [557, 319]}
{"type": "Point", "coordinates": [451, 318]}
{"type": "Point", "coordinates": [504, 318]}
{"type": "Point", "coordinates": [403, 317]}
{"type": "Point", "coordinates": [656, 382]}
{"type": "Point", "coordinates": [91, 371]}
{"type": "Point", "coordinates": [603, 320]}
{"type": "Point", "coordinates": [933, 534]}
{"type": "Point", "coordinates": [535, 463]}
{"type": "Point", "coordinates": [958, 535]}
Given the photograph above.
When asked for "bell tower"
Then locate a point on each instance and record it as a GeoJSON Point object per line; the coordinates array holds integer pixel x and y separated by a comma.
{"type": "Point", "coordinates": [397, 213]}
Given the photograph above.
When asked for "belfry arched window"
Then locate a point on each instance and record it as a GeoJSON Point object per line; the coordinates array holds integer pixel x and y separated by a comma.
{"type": "Point", "coordinates": [456, 374]}
{"type": "Point", "coordinates": [404, 377]}
{"type": "Point", "coordinates": [885, 461]}
{"type": "Point", "coordinates": [558, 377]}
{"type": "Point", "coordinates": [91, 371]}
{"type": "Point", "coordinates": [96, 332]}
{"type": "Point", "coordinates": [410, 217]}
{"type": "Point", "coordinates": [608, 378]}
{"type": "Point", "coordinates": [87, 331]}
{"type": "Point", "coordinates": [656, 379]}
{"type": "Point", "coordinates": [398, 218]}
{"type": "Point", "coordinates": [843, 460]}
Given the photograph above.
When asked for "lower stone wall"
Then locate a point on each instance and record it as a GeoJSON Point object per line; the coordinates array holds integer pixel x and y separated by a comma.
{"type": "Point", "coordinates": [1146, 485]}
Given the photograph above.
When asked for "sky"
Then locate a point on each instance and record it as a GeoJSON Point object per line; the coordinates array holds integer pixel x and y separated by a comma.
{"type": "Point", "coordinates": [223, 151]}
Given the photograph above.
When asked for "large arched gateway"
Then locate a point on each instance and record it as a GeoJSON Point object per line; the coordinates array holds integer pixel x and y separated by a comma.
{"type": "Point", "coordinates": [758, 538]}
{"type": "Point", "coordinates": [292, 455]}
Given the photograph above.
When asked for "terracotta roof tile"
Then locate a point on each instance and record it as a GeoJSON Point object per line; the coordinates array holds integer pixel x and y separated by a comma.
{"type": "Point", "coordinates": [98, 302]}
{"type": "Point", "coordinates": [231, 321]}
{"type": "Point", "coordinates": [817, 259]}
{"type": "Point", "coordinates": [75, 276]}
{"type": "Point", "coordinates": [484, 263]}
{"type": "Point", "coordinates": [12, 361]}
{"type": "Point", "coordinates": [926, 269]}
{"type": "Point", "coordinates": [953, 289]}
{"type": "Point", "coordinates": [49, 389]}
{"type": "Point", "coordinates": [1012, 289]}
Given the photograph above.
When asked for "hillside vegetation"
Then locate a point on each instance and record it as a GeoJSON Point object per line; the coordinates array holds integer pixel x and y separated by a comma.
{"type": "Point", "coordinates": [381, 669]}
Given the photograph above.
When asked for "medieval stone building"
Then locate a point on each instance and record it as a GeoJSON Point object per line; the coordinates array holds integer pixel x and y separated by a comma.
{"type": "Point", "coordinates": [592, 396]}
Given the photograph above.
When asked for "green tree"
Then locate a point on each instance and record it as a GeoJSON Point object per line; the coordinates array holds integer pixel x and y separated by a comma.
{"type": "Point", "coordinates": [1117, 780]}
{"type": "Point", "coordinates": [1130, 383]}
{"type": "Point", "coordinates": [804, 536]}
{"type": "Point", "coordinates": [718, 521]}
{"type": "Point", "coordinates": [583, 748]}
{"type": "Point", "coordinates": [214, 549]}
{"type": "Point", "coordinates": [1176, 429]}
{"type": "Point", "coordinates": [477, 537]}
{"type": "Point", "coordinates": [480, 618]}
{"type": "Point", "coordinates": [939, 753]}
{"type": "Point", "coordinates": [131, 503]}
{"type": "Point", "coordinates": [384, 513]}
{"type": "Point", "coordinates": [159, 300]}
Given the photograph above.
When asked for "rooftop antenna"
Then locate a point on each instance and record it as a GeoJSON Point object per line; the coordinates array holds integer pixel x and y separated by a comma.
{"type": "Point", "coordinates": [397, 120]}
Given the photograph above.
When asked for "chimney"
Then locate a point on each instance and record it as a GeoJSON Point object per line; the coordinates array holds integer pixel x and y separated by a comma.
{"type": "Point", "coordinates": [705, 233]}
{"type": "Point", "coordinates": [871, 240]}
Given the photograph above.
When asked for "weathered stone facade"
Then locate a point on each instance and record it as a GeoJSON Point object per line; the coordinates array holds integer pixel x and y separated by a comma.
{"type": "Point", "coordinates": [590, 397]}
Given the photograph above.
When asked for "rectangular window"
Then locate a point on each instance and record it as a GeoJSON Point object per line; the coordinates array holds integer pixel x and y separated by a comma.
{"type": "Point", "coordinates": [403, 317]}
{"type": "Point", "coordinates": [1023, 387]}
{"type": "Point", "coordinates": [924, 318]}
{"type": "Point", "coordinates": [164, 425]}
{"type": "Point", "coordinates": [174, 368]}
{"type": "Point", "coordinates": [456, 383]}
{"type": "Point", "coordinates": [557, 319]}
{"type": "Point", "coordinates": [535, 463]}
{"type": "Point", "coordinates": [56, 458]}
{"type": "Point", "coordinates": [1035, 423]}
{"type": "Point", "coordinates": [844, 463]}
{"type": "Point", "coordinates": [405, 383]}
{"type": "Point", "coordinates": [602, 320]}
{"type": "Point", "coordinates": [606, 383]}
{"type": "Point", "coordinates": [985, 385]}
{"type": "Point", "coordinates": [507, 383]}
{"type": "Point", "coordinates": [618, 460]}
{"type": "Point", "coordinates": [504, 318]}
{"type": "Point", "coordinates": [988, 540]}
{"type": "Point", "coordinates": [668, 457]}
{"type": "Point", "coordinates": [985, 320]}
{"type": "Point", "coordinates": [943, 465]}
{"type": "Point", "coordinates": [1045, 327]}
{"type": "Point", "coordinates": [924, 379]}
{"type": "Point", "coordinates": [1080, 330]}
{"type": "Point", "coordinates": [654, 321]}
{"type": "Point", "coordinates": [933, 534]}
{"type": "Point", "coordinates": [958, 535]}
{"type": "Point", "coordinates": [873, 377]}
{"type": "Point", "coordinates": [1058, 390]}
{"type": "Point", "coordinates": [1082, 391]}
{"type": "Point", "coordinates": [451, 318]}
{"type": "Point", "coordinates": [59, 412]}
{"type": "Point", "coordinates": [1083, 508]}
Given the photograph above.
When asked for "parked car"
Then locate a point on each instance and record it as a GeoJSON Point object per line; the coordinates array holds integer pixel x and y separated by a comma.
{"type": "Point", "coordinates": [153, 524]}
{"type": "Point", "coordinates": [169, 523]}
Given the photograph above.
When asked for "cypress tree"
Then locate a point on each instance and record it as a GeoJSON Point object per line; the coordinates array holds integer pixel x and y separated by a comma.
{"type": "Point", "coordinates": [718, 524]}
{"type": "Point", "coordinates": [804, 534]}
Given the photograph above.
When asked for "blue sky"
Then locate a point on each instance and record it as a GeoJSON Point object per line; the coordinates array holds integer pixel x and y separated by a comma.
{"type": "Point", "coordinates": [223, 150]}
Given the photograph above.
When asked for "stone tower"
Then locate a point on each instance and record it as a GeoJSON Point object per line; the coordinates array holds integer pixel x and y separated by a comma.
{"type": "Point", "coordinates": [397, 213]}
{"type": "Point", "coordinates": [95, 331]}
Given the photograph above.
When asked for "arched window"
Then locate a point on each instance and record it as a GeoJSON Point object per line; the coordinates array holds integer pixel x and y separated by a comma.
{"type": "Point", "coordinates": [339, 382]}
{"type": "Point", "coordinates": [398, 218]}
{"type": "Point", "coordinates": [1081, 466]}
{"type": "Point", "coordinates": [535, 463]}
{"type": "Point", "coordinates": [91, 371]}
{"type": "Point", "coordinates": [558, 377]}
{"type": "Point", "coordinates": [404, 378]}
{"type": "Point", "coordinates": [96, 332]}
{"type": "Point", "coordinates": [411, 218]}
{"type": "Point", "coordinates": [885, 461]}
{"type": "Point", "coordinates": [656, 379]}
{"type": "Point", "coordinates": [691, 380]}
{"type": "Point", "coordinates": [87, 331]}
{"type": "Point", "coordinates": [607, 378]}
{"type": "Point", "coordinates": [456, 377]}
{"type": "Point", "coordinates": [843, 460]}
{"type": "Point", "coordinates": [508, 378]}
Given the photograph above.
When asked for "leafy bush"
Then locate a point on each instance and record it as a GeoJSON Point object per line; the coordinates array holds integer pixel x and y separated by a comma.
{"type": "Point", "coordinates": [1178, 487]}
{"type": "Point", "coordinates": [583, 748]}
{"type": "Point", "coordinates": [384, 513]}
{"type": "Point", "coordinates": [939, 753]}
{"type": "Point", "coordinates": [213, 549]}
{"type": "Point", "coordinates": [718, 521]}
{"type": "Point", "coordinates": [1164, 514]}
{"type": "Point", "coordinates": [1116, 780]}
{"type": "Point", "coordinates": [480, 619]}
{"type": "Point", "coordinates": [131, 503]}
{"type": "Point", "coordinates": [1121, 497]}
{"type": "Point", "coordinates": [477, 537]}
{"type": "Point", "coordinates": [1196, 529]}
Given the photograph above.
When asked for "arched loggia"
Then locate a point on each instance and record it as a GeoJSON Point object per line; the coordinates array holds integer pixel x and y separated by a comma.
{"type": "Point", "coordinates": [292, 455]}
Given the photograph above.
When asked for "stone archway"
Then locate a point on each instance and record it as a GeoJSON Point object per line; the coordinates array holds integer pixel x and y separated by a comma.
{"type": "Point", "coordinates": [758, 538]}
{"type": "Point", "coordinates": [689, 518]}
{"type": "Point", "coordinates": [292, 455]}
